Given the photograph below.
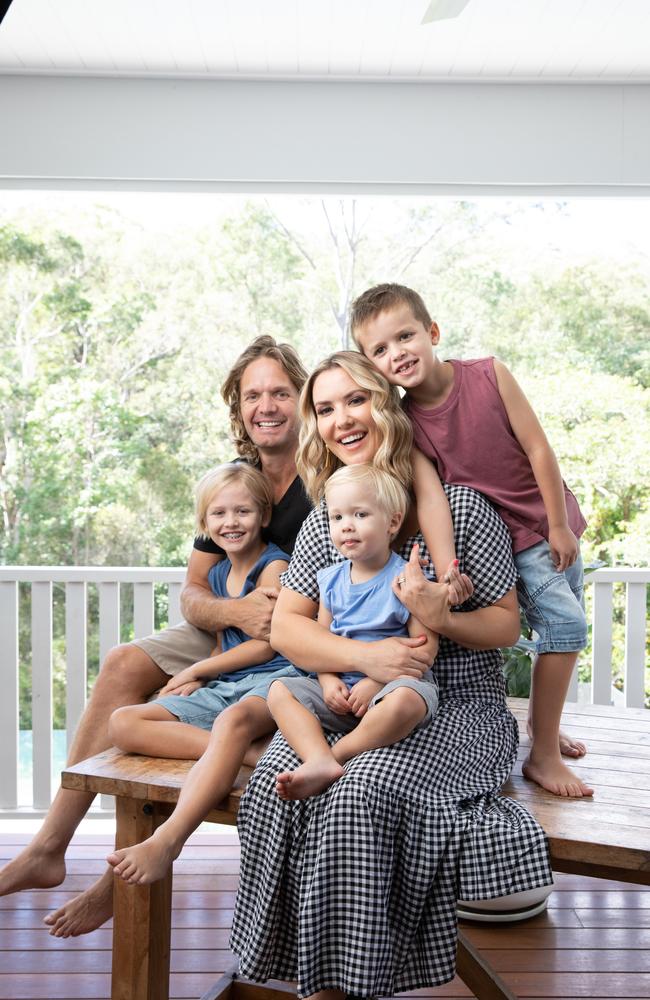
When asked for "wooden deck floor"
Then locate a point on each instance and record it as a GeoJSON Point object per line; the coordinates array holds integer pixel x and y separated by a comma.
{"type": "Point", "coordinates": [594, 941]}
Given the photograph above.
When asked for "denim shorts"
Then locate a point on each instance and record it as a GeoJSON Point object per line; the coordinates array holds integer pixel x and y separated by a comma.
{"type": "Point", "coordinates": [309, 693]}
{"type": "Point", "coordinates": [552, 602]}
{"type": "Point", "coordinates": [203, 706]}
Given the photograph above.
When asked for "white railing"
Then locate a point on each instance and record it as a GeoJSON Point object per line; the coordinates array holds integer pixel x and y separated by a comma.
{"type": "Point", "coordinates": [76, 580]}
{"type": "Point", "coordinates": [108, 581]}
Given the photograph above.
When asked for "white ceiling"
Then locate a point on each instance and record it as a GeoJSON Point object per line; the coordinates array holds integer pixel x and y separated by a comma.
{"type": "Point", "coordinates": [577, 41]}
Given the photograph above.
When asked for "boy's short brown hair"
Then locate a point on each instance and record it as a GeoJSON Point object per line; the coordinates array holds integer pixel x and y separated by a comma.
{"type": "Point", "coordinates": [381, 298]}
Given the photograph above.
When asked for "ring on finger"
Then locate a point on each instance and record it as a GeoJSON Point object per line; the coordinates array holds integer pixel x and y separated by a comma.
{"type": "Point", "coordinates": [401, 580]}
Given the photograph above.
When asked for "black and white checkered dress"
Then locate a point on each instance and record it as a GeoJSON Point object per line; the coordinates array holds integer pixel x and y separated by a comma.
{"type": "Point", "coordinates": [355, 889]}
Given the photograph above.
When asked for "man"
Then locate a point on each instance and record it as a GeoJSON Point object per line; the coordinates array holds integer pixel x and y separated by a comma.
{"type": "Point", "coordinates": [261, 391]}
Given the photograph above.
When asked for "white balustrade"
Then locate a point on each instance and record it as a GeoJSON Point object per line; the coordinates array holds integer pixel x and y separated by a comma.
{"type": "Point", "coordinates": [109, 580]}
{"type": "Point", "coordinates": [75, 579]}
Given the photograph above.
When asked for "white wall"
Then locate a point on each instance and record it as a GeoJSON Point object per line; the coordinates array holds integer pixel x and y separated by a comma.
{"type": "Point", "coordinates": [78, 131]}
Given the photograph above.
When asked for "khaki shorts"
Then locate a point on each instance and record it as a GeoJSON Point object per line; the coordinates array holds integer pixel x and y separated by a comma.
{"type": "Point", "coordinates": [177, 647]}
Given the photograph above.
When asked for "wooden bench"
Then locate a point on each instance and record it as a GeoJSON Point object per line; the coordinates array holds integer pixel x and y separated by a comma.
{"type": "Point", "coordinates": [606, 837]}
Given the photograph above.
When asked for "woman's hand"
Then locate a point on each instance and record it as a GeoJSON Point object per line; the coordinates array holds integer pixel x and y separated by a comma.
{"type": "Point", "coordinates": [362, 694]}
{"type": "Point", "coordinates": [184, 678]}
{"type": "Point", "coordinates": [428, 602]}
{"type": "Point", "coordinates": [335, 693]}
{"type": "Point", "coordinates": [387, 659]}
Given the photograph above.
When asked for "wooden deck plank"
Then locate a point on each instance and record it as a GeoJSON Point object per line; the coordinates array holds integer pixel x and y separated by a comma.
{"type": "Point", "coordinates": [592, 944]}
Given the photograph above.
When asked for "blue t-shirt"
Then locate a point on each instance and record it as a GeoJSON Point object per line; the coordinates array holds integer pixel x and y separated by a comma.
{"type": "Point", "coordinates": [367, 611]}
{"type": "Point", "coordinates": [231, 637]}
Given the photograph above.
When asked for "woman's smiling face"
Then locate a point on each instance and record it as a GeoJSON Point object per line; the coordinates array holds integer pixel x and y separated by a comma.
{"type": "Point", "coordinates": [344, 417]}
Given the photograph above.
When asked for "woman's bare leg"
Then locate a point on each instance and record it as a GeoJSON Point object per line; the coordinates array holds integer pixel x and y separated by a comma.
{"type": "Point", "coordinates": [208, 782]}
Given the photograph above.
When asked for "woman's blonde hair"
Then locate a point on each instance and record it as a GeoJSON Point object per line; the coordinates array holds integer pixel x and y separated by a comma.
{"type": "Point", "coordinates": [223, 475]}
{"type": "Point", "coordinates": [316, 463]}
{"type": "Point", "coordinates": [390, 495]}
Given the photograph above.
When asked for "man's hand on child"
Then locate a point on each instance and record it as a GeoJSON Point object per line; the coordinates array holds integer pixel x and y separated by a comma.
{"type": "Point", "coordinates": [362, 694]}
{"type": "Point", "coordinates": [257, 609]}
{"type": "Point", "coordinates": [459, 585]}
{"type": "Point", "coordinates": [564, 547]}
{"type": "Point", "coordinates": [335, 693]}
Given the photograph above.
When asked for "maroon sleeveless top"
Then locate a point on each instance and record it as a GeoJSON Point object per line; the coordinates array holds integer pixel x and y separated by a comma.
{"type": "Point", "coordinates": [470, 441]}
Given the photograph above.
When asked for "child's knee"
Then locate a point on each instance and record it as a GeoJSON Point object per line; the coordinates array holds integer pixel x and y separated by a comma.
{"type": "Point", "coordinates": [278, 693]}
{"type": "Point", "coordinates": [407, 704]}
{"type": "Point", "coordinates": [235, 718]}
{"type": "Point", "coordinates": [120, 727]}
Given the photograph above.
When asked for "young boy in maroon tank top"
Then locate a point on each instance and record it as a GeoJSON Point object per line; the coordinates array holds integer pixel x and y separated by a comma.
{"type": "Point", "coordinates": [474, 422]}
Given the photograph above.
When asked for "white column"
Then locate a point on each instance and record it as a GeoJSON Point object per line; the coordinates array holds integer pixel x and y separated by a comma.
{"type": "Point", "coordinates": [635, 600]}
{"type": "Point", "coordinates": [142, 610]}
{"type": "Point", "coordinates": [42, 693]}
{"type": "Point", "coordinates": [601, 644]}
{"type": "Point", "coordinates": [9, 707]}
{"type": "Point", "coordinates": [76, 656]}
{"type": "Point", "coordinates": [109, 617]}
{"type": "Point", "coordinates": [175, 616]}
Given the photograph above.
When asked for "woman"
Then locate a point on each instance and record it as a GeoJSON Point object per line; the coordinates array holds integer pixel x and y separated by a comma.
{"type": "Point", "coordinates": [354, 891]}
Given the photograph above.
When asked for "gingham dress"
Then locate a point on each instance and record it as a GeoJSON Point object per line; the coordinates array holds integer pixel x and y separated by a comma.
{"type": "Point", "coordinates": [355, 889]}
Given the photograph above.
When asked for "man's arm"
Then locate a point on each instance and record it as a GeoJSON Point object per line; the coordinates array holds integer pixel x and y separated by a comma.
{"type": "Point", "coordinates": [485, 628]}
{"type": "Point", "coordinates": [297, 635]}
{"type": "Point", "coordinates": [201, 608]}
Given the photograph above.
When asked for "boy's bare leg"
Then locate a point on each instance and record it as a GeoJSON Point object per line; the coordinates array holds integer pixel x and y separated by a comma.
{"type": "Point", "coordinates": [569, 746]}
{"type": "Point", "coordinates": [128, 675]}
{"type": "Point", "coordinates": [388, 722]}
{"type": "Point", "coordinates": [208, 782]}
{"type": "Point", "coordinates": [151, 730]}
{"type": "Point", "coordinates": [304, 734]}
{"type": "Point", "coordinates": [391, 720]}
{"type": "Point", "coordinates": [544, 764]}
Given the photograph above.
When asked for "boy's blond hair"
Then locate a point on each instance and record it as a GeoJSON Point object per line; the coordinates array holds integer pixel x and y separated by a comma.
{"type": "Point", "coordinates": [379, 299]}
{"type": "Point", "coordinates": [389, 493]}
{"type": "Point", "coordinates": [223, 475]}
{"type": "Point", "coordinates": [316, 463]}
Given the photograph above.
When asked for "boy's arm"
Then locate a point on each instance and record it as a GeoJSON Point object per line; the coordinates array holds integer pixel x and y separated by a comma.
{"type": "Point", "coordinates": [416, 628]}
{"type": "Point", "coordinates": [434, 521]}
{"type": "Point", "coordinates": [335, 692]}
{"type": "Point", "coordinates": [203, 609]}
{"type": "Point", "coordinates": [530, 434]}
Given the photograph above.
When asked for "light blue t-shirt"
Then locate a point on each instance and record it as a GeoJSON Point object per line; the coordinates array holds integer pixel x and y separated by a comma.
{"type": "Point", "coordinates": [367, 611]}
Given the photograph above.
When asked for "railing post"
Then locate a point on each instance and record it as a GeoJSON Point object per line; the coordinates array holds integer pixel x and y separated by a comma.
{"type": "Point", "coordinates": [601, 644]}
{"type": "Point", "coordinates": [635, 599]}
{"type": "Point", "coordinates": [42, 693]}
{"type": "Point", "coordinates": [109, 617]}
{"type": "Point", "coordinates": [142, 610]}
{"type": "Point", "coordinates": [174, 598]}
{"type": "Point", "coordinates": [76, 677]}
{"type": "Point", "coordinates": [9, 705]}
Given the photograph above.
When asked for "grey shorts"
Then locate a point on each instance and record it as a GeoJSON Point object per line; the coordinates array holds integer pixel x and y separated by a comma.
{"type": "Point", "coordinates": [309, 693]}
{"type": "Point", "coordinates": [177, 647]}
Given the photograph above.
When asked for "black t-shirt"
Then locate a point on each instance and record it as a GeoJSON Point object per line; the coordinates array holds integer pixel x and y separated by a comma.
{"type": "Point", "coordinates": [286, 520]}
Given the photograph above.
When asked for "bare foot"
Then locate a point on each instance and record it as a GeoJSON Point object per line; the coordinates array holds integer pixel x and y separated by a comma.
{"type": "Point", "coordinates": [568, 746]}
{"type": "Point", "coordinates": [34, 868]}
{"type": "Point", "coordinates": [86, 912]}
{"type": "Point", "coordinates": [145, 863]}
{"type": "Point", "coordinates": [308, 779]}
{"type": "Point", "coordinates": [555, 777]}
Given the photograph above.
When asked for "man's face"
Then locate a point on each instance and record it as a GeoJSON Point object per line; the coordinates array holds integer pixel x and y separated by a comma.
{"type": "Point", "coordinates": [269, 406]}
